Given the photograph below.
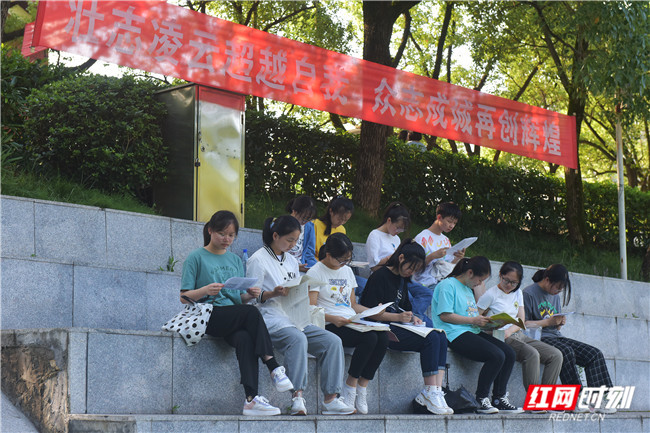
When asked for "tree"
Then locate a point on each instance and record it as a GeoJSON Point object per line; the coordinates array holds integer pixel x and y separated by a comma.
{"type": "Point", "coordinates": [379, 18]}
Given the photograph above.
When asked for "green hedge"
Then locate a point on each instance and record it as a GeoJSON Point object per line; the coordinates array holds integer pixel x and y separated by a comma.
{"type": "Point", "coordinates": [283, 155]}
{"type": "Point", "coordinates": [103, 132]}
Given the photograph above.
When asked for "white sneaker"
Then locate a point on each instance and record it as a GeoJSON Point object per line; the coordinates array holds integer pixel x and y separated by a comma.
{"type": "Point", "coordinates": [349, 395]}
{"type": "Point", "coordinates": [362, 403]}
{"type": "Point", "coordinates": [429, 400]}
{"type": "Point", "coordinates": [443, 403]}
{"type": "Point", "coordinates": [280, 380]}
{"type": "Point", "coordinates": [260, 406]}
{"type": "Point", "coordinates": [298, 406]}
{"type": "Point", "coordinates": [486, 406]}
{"type": "Point", "coordinates": [337, 407]}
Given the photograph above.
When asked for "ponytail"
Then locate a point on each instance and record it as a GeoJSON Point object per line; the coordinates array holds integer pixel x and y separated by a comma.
{"type": "Point", "coordinates": [556, 274]}
{"type": "Point", "coordinates": [479, 265]}
{"type": "Point", "coordinates": [282, 225]}
{"type": "Point", "coordinates": [336, 206]}
{"type": "Point", "coordinates": [413, 253]}
{"type": "Point", "coordinates": [396, 211]}
{"type": "Point", "coordinates": [337, 245]}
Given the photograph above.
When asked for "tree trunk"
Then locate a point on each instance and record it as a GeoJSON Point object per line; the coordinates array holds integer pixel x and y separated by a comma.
{"type": "Point", "coordinates": [575, 209]}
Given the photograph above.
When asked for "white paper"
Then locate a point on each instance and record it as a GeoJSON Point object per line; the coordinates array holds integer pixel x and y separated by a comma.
{"type": "Point", "coordinates": [459, 246]}
{"type": "Point", "coordinates": [370, 312]}
{"type": "Point", "coordinates": [296, 303]}
{"type": "Point", "coordinates": [311, 282]}
{"type": "Point", "coordinates": [239, 283]}
{"type": "Point", "coordinates": [356, 264]}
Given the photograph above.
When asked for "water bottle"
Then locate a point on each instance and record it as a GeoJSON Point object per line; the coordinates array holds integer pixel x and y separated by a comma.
{"type": "Point", "coordinates": [244, 258]}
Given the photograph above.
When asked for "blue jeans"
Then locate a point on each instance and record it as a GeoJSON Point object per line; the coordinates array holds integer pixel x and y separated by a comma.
{"type": "Point", "coordinates": [432, 348]}
{"type": "Point", "coordinates": [420, 297]}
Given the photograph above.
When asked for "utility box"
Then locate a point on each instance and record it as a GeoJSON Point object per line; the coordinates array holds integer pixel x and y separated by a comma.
{"type": "Point", "coordinates": [204, 131]}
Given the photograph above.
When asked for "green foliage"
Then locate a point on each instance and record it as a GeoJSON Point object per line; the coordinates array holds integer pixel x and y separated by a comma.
{"type": "Point", "coordinates": [285, 157]}
{"type": "Point", "coordinates": [100, 131]}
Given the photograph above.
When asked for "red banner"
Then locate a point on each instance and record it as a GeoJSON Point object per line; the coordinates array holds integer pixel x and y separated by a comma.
{"type": "Point", "coordinates": [172, 40]}
{"type": "Point", "coordinates": [29, 51]}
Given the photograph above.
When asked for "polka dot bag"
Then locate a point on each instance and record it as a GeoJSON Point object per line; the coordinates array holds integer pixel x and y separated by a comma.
{"type": "Point", "coordinates": [191, 322]}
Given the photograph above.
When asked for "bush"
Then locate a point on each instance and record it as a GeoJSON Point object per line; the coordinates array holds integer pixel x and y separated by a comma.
{"type": "Point", "coordinates": [103, 132]}
{"type": "Point", "coordinates": [284, 156]}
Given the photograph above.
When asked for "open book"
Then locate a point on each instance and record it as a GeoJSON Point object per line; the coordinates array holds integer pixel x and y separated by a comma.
{"type": "Point", "coordinates": [500, 320]}
{"type": "Point", "coordinates": [422, 331]}
{"type": "Point", "coordinates": [365, 326]}
{"type": "Point", "coordinates": [370, 312]}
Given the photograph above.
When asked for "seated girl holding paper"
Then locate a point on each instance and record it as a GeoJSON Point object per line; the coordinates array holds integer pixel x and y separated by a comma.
{"type": "Point", "coordinates": [242, 326]}
{"type": "Point", "coordinates": [389, 283]}
{"type": "Point", "coordinates": [338, 299]}
{"type": "Point", "coordinates": [506, 297]}
{"type": "Point", "coordinates": [274, 268]}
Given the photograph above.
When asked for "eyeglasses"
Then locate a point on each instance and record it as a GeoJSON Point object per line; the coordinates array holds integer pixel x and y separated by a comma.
{"type": "Point", "coordinates": [509, 282]}
{"type": "Point", "coordinates": [345, 262]}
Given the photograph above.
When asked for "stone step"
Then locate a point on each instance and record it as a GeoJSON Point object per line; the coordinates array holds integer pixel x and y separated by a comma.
{"type": "Point", "coordinates": [619, 422]}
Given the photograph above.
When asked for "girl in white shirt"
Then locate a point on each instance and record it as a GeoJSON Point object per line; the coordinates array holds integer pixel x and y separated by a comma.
{"type": "Point", "coordinates": [383, 241]}
{"type": "Point", "coordinates": [338, 300]}
{"type": "Point", "coordinates": [274, 267]}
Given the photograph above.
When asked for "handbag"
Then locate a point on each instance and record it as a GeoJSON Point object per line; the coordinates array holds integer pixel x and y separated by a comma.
{"type": "Point", "coordinates": [192, 322]}
{"type": "Point", "coordinates": [460, 400]}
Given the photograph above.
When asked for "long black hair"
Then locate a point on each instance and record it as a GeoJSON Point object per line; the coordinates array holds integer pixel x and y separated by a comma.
{"type": "Point", "coordinates": [282, 225]}
{"type": "Point", "coordinates": [556, 273]}
{"type": "Point", "coordinates": [303, 205]}
{"type": "Point", "coordinates": [414, 256]}
{"type": "Point", "coordinates": [515, 267]}
{"type": "Point", "coordinates": [337, 245]}
{"type": "Point", "coordinates": [219, 221]}
{"type": "Point", "coordinates": [396, 211]}
{"type": "Point", "coordinates": [479, 265]}
{"type": "Point", "coordinates": [336, 206]}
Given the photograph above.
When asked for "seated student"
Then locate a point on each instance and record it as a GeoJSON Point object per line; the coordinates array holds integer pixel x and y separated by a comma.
{"type": "Point", "coordinates": [415, 139]}
{"type": "Point", "coordinates": [542, 305]}
{"type": "Point", "coordinates": [435, 245]}
{"type": "Point", "coordinates": [383, 241]}
{"type": "Point", "coordinates": [273, 267]}
{"type": "Point", "coordinates": [337, 213]}
{"type": "Point", "coordinates": [338, 300]}
{"type": "Point", "coordinates": [303, 209]}
{"type": "Point", "coordinates": [506, 297]}
{"type": "Point", "coordinates": [242, 326]}
{"type": "Point", "coordinates": [389, 284]}
{"type": "Point", "coordinates": [454, 310]}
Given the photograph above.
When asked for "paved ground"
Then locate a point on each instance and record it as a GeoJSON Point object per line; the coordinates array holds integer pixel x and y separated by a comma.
{"type": "Point", "coordinates": [12, 420]}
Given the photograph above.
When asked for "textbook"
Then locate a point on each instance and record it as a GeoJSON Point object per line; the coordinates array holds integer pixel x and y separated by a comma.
{"type": "Point", "coordinates": [499, 320]}
{"type": "Point", "coordinates": [370, 312]}
{"type": "Point", "coordinates": [422, 331]}
{"type": "Point", "coordinates": [365, 326]}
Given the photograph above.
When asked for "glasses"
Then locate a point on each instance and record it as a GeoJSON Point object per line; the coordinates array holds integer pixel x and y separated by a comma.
{"type": "Point", "coordinates": [345, 262]}
{"type": "Point", "coordinates": [509, 282]}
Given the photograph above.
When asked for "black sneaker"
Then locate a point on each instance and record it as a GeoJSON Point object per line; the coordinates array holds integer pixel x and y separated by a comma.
{"type": "Point", "coordinates": [503, 404]}
{"type": "Point", "coordinates": [486, 406]}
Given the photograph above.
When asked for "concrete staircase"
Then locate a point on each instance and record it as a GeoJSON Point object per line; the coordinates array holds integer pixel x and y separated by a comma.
{"type": "Point", "coordinates": [84, 296]}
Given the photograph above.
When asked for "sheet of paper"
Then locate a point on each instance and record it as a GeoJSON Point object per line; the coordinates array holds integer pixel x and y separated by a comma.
{"type": "Point", "coordinates": [356, 264]}
{"type": "Point", "coordinates": [459, 246]}
{"type": "Point", "coordinates": [305, 279]}
{"type": "Point", "coordinates": [370, 312]}
{"type": "Point", "coordinates": [422, 331]}
{"type": "Point", "coordinates": [239, 283]}
{"type": "Point", "coordinates": [296, 303]}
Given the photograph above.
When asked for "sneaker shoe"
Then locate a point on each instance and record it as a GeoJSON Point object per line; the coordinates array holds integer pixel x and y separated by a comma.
{"type": "Point", "coordinates": [280, 380]}
{"type": "Point", "coordinates": [443, 403]}
{"type": "Point", "coordinates": [298, 406]}
{"type": "Point", "coordinates": [362, 403]}
{"type": "Point", "coordinates": [504, 405]}
{"type": "Point", "coordinates": [349, 395]}
{"type": "Point", "coordinates": [337, 407]}
{"type": "Point", "coordinates": [430, 401]}
{"type": "Point", "coordinates": [260, 406]}
{"type": "Point", "coordinates": [486, 406]}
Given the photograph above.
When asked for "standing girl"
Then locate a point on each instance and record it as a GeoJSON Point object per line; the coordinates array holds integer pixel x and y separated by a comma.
{"type": "Point", "coordinates": [338, 300]}
{"type": "Point", "coordinates": [543, 306]}
{"type": "Point", "coordinates": [274, 267]}
{"type": "Point", "coordinates": [337, 213]}
{"type": "Point", "coordinates": [506, 297]}
{"type": "Point", "coordinates": [242, 326]}
{"type": "Point", "coordinates": [389, 283]}
{"type": "Point", "coordinates": [303, 209]}
{"type": "Point", "coordinates": [383, 241]}
{"type": "Point", "coordinates": [454, 310]}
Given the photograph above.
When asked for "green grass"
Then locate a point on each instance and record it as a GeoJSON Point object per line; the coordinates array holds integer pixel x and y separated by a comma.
{"type": "Point", "coordinates": [23, 184]}
{"type": "Point", "coordinates": [496, 243]}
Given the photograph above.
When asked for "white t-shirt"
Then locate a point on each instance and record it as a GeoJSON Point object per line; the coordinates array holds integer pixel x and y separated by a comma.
{"type": "Point", "coordinates": [297, 250]}
{"type": "Point", "coordinates": [430, 242]}
{"type": "Point", "coordinates": [334, 297]}
{"type": "Point", "coordinates": [380, 245]}
{"type": "Point", "coordinates": [271, 272]}
{"type": "Point", "coordinates": [499, 302]}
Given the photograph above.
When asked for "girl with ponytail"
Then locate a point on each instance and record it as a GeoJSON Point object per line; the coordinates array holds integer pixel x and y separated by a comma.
{"type": "Point", "coordinates": [542, 306]}
{"type": "Point", "coordinates": [454, 309]}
